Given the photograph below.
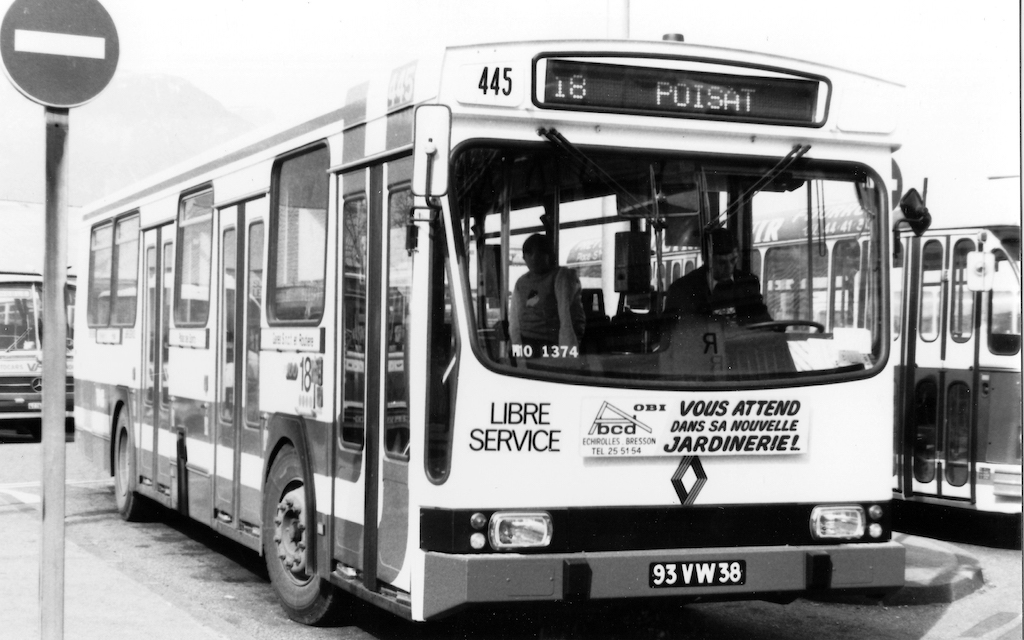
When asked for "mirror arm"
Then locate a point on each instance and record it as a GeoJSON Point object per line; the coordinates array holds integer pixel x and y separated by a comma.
{"type": "Point", "coordinates": [433, 205]}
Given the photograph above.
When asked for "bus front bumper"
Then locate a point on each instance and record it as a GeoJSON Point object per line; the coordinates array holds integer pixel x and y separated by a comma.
{"type": "Point", "coordinates": [460, 580]}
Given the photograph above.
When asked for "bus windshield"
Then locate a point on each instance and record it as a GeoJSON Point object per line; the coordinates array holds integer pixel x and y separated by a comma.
{"type": "Point", "coordinates": [663, 268]}
{"type": "Point", "coordinates": [19, 317]}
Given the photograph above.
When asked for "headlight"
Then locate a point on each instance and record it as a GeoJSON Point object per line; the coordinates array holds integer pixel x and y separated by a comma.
{"type": "Point", "coordinates": [519, 530]}
{"type": "Point", "coordinates": [845, 522]}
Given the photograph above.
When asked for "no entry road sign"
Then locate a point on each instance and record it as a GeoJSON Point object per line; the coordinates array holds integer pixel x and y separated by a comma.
{"type": "Point", "coordinates": [59, 53]}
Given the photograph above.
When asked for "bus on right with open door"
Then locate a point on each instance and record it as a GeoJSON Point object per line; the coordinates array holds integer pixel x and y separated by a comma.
{"type": "Point", "coordinates": [957, 322]}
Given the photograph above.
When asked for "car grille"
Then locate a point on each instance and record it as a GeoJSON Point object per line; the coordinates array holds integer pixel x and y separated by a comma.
{"type": "Point", "coordinates": [24, 384]}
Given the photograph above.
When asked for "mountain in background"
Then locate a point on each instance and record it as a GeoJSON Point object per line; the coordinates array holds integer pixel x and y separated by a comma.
{"type": "Point", "coordinates": [23, 233]}
{"type": "Point", "coordinates": [139, 125]}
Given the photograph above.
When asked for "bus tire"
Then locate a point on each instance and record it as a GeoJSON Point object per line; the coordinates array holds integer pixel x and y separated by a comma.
{"type": "Point", "coordinates": [305, 596]}
{"type": "Point", "coordinates": [129, 503]}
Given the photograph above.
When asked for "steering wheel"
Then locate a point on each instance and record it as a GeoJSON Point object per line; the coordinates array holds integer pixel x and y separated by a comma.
{"type": "Point", "coordinates": [779, 324]}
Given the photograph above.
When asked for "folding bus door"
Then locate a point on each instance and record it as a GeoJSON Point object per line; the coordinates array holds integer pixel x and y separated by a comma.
{"type": "Point", "coordinates": [158, 265]}
{"type": "Point", "coordinates": [239, 454]}
{"type": "Point", "coordinates": [376, 289]}
{"type": "Point", "coordinates": [926, 393]}
{"type": "Point", "coordinates": [957, 417]}
{"type": "Point", "coordinates": [353, 314]}
{"type": "Point", "coordinates": [396, 343]}
{"type": "Point", "coordinates": [999, 361]}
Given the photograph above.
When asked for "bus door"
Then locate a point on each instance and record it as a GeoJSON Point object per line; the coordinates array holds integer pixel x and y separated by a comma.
{"type": "Point", "coordinates": [395, 441]}
{"type": "Point", "coordinates": [239, 427]}
{"type": "Point", "coordinates": [999, 379]}
{"type": "Point", "coordinates": [350, 436]}
{"type": "Point", "coordinates": [940, 455]}
{"type": "Point", "coordinates": [376, 286]}
{"type": "Point", "coordinates": [959, 419]}
{"type": "Point", "coordinates": [158, 256]}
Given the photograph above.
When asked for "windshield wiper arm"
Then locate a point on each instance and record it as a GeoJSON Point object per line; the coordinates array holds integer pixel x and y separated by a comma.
{"type": "Point", "coordinates": [18, 339]}
{"type": "Point", "coordinates": [794, 154]}
{"type": "Point", "coordinates": [560, 141]}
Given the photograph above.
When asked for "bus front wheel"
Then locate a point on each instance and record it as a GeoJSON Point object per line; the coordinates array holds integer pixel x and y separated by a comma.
{"type": "Point", "coordinates": [305, 596]}
{"type": "Point", "coordinates": [129, 503]}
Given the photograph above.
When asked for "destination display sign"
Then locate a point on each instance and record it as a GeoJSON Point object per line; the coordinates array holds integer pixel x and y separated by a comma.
{"type": "Point", "coordinates": [593, 86]}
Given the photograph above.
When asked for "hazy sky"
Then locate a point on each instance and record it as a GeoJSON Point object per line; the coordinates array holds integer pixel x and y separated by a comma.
{"type": "Point", "coordinates": [960, 62]}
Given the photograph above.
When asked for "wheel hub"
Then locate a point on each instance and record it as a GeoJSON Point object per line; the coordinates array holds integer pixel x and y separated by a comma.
{"type": "Point", "coordinates": [290, 532]}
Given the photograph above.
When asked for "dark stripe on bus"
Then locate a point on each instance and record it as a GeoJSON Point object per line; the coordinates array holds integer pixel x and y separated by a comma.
{"type": "Point", "coordinates": [399, 129]}
{"type": "Point", "coordinates": [597, 529]}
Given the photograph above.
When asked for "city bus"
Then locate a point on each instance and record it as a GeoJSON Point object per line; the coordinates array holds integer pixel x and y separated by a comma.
{"type": "Point", "coordinates": [958, 423]}
{"type": "Point", "coordinates": [21, 354]}
{"type": "Point", "coordinates": [361, 416]}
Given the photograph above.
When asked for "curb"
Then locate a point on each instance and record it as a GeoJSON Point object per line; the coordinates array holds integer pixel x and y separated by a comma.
{"type": "Point", "coordinates": [936, 573]}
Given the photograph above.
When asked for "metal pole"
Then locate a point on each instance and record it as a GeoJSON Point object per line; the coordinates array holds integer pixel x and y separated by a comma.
{"type": "Point", "coordinates": [54, 339]}
{"type": "Point", "coordinates": [618, 19]}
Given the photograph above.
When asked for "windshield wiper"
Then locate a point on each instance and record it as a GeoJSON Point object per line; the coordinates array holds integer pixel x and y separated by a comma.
{"type": "Point", "coordinates": [21, 337]}
{"type": "Point", "coordinates": [795, 154]}
{"type": "Point", "coordinates": [574, 152]}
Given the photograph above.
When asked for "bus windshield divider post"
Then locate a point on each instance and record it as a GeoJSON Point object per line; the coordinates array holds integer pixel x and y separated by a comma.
{"type": "Point", "coordinates": [659, 226]}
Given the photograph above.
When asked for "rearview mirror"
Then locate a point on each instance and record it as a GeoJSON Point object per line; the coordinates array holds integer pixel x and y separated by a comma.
{"type": "Point", "coordinates": [914, 213]}
{"type": "Point", "coordinates": [431, 145]}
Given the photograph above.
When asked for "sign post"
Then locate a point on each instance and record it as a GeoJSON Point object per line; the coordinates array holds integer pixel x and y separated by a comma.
{"type": "Point", "coordinates": [60, 54]}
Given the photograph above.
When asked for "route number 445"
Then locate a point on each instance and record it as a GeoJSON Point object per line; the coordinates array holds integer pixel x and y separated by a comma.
{"type": "Point", "coordinates": [497, 81]}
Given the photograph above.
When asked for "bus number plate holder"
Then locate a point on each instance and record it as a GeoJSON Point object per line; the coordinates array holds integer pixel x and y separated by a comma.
{"type": "Point", "coordinates": [705, 573]}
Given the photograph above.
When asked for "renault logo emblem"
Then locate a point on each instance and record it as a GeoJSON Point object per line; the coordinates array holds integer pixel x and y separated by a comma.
{"type": "Point", "coordinates": [37, 385]}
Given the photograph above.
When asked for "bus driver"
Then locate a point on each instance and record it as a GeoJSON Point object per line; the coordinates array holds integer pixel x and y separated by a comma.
{"type": "Point", "coordinates": [546, 310]}
{"type": "Point", "coordinates": [725, 292]}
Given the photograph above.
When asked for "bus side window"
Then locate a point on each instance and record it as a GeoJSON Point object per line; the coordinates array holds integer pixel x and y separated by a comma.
{"type": "Point", "coordinates": [1004, 309]}
{"type": "Point", "coordinates": [113, 278]}
{"type": "Point", "coordinates": [253, 317]}
{"type": "Point", "coordinates": [786, 283]}
{"type": "Point", "coordinates": [149, 324]}
{"type": "Point", "coordinates": [845, 279]}
{"type": "Point", "coordinates": [70, 295]}
{"type": "Point", "coordinates": [195, 238]}
{"type": "Point", "coordinates": [228, 293]}
{"type": "Point", "coordinates": [396, 385]}
{"type": "Point", "coordinates": [931, 290]}
{"type": "Point", "coordinates": [298, 238]}
{"type": "Point", "coordinates": [354, 260]}
{"type": "Point", "coordinates": [101, 264]}
{"type": "Point", "coordinates": [896, 295]}
{"type": "Point", "coordinates": [444, 365]}
{"type": "Point", "coordinates": [126, 280]}
{"type": "Point", "coordinates": [961, 308]}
